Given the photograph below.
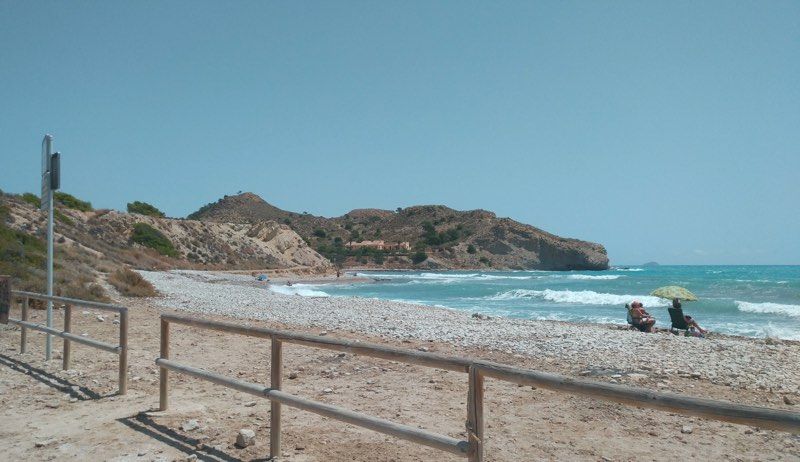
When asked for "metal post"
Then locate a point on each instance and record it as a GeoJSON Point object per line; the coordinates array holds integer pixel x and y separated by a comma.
{"type": "Point", "coordinates": [475, 415]}
{"type": "Point", "coordinates": [123, 352]}
{"type": "Point", "coordinates": [275, 407]}
{"type": "Point", "coordinates": [164, 373]}
{"type": "Point", "coordinates": [48, 141]}
{"type": "Point", "coordinates": [23, 345]}
{"type": "Point", "coordinates": [67, 344]}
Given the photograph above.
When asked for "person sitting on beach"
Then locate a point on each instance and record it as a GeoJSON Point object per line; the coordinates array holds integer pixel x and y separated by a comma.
{"type": "Point", "coordinates": [694, 328]}
{"type": "Point", "coordinates": [642, 320]}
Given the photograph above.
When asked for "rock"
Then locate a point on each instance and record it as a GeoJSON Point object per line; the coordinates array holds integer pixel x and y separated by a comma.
{"type": "Point", "coordinates": [190, 425]}
{"type": "Point", "coordinates": [423, 349]}
{"type": "Point", "coordinates": [116, 321]}
{"type": "Point", "coordinates": [245, 438]}
{"type": "Point", "coordinates": [327, 391]}
{"type": "Point", "coordinates": [250, 404]}
{"type": "Point", "coordinates": [100, 318]}
{"type": "Point", "coordinates": [191, 457]}
{"type": "Point", "coordinates": [687, 429]}
{"type": "Point", "coordinates": [43, 443]}
{"type": "Point", "coordinates": [788, 400]}
{"type": "Point", "coordinates": [323, 333]}
{"type": "Point", "coordinates": [292, 375]}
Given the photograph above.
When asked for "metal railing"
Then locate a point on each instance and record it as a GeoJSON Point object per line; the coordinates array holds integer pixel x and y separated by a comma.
{"type": "Point", "coordinates": [477, 370]}
{"type": "Point", "coordinates": [68, 336]}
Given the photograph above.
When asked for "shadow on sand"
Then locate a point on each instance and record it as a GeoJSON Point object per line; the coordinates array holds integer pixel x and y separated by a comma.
{"type": "Point", "coordinates": [47, 378]}
{"type": "Point", "coordinates": [145, 424]}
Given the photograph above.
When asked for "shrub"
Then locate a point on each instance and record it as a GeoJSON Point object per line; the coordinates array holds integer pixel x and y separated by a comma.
{"type": "Point", "coordinates": [131, 284]}
{"type": "Point", "coordinates": [32, 199]}
{"type": "Point", "coordinates": [485, 261]}
{"type": "Point", "coordinates": [379, 257]}
{"type": "Point", "coordinates": [148, 236]}
{"type": "Point", "coordinates": [143, 208]}
{"type": "Point", "coordinates": [71, 202]}
{"type": "Point", "coordinates": [471, 249]}
{"type": "Point", "coordinates": [320, 233]}
{"type": "Point", "coordinates": [59, 215]}
{"type": "Point", "coordinates": [419, 257]}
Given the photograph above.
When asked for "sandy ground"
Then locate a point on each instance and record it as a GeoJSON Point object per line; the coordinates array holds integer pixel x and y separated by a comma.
{"type": "Point", "coordinates": [50, 414]}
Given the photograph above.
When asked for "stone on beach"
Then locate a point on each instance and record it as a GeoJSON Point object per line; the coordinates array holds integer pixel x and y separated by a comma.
{"type": "Point", "coordinates": [245, 438]}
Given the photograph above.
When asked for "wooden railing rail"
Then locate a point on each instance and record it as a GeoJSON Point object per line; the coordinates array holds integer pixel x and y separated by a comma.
{"type": "Point", "coordinates": [477, 370]}
{"type": "Point", "coordinates": [121, 349]}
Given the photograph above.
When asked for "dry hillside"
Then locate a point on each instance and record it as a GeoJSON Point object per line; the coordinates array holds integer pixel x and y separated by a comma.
{"type": "Point", "coordinates": [450, 238]}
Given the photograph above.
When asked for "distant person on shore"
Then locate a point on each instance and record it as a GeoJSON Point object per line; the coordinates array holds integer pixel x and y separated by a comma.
{"type": "Point", "coordinates": [642, 320]}
{"type": "Point", "coordinates": [694, 328]}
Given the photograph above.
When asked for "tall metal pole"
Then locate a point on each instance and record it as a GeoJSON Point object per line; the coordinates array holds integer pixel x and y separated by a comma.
{"type": "Point", "coordinates": [48, 140]}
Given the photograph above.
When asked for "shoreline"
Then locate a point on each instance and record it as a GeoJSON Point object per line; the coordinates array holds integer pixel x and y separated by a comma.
{"type": "Point", "coordinates": [732, 360]}
{"type": "Point", "coordinates": [350, 276]}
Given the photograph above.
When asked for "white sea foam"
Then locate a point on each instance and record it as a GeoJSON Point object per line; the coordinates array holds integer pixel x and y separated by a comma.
{"type": "Point", "coordinates": [605, 277]}
{"type": "Point", "coordinates": [443, 277]}
{"type": "Point", "coordinates": [774, 308]}
{"type": "Point", "coordinates": [582, 297]}
{"type": "Point", "coordinates": [628, 269]}
{"type": "Point", "coordinates": [304, 290]}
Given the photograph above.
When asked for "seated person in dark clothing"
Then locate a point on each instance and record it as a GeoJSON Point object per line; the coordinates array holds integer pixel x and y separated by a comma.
{"type": "Point", "coordinates": [641, 318]}
{"type": "Point", "coordinates": [693, 326]}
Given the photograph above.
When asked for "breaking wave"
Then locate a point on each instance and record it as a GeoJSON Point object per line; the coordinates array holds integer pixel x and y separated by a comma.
{"type": "Point", "coordinates": [773, 308]}
{"type": "Point", "coordinates": [298, 289]}
{"type": "Point", "coordinates": [605, 277]}
{"type": "Point", "coordinates": [581, 297]}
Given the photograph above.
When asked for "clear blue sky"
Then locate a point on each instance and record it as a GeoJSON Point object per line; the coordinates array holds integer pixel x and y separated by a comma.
{"type": "Point", "coordinates": [667, 131]}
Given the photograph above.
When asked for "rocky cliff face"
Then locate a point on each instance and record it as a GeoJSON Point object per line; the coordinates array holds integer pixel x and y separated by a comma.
{"type": "Point", "coordinates": [449, 238]}
{"type": "Point", "coordinates": [259, 244]}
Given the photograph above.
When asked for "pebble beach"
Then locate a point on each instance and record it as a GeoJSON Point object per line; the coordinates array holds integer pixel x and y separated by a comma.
{"type": "Point", "coordinates": [608, 351]}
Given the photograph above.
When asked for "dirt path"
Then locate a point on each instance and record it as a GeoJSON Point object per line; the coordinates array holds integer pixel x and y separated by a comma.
{"type": "Point", "coordinates": [50, 414]}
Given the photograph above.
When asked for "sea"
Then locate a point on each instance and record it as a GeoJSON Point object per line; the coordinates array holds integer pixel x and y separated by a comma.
{"type": "Point", "coordinates": [753, 301]}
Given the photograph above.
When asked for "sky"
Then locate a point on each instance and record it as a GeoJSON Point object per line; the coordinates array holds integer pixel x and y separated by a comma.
{"type": "Point", "coordinates": [667, 131]}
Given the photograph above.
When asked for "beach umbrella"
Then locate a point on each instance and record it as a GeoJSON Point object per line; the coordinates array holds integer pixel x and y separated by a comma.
{"type": "Point", "coordinates": [671, 292]}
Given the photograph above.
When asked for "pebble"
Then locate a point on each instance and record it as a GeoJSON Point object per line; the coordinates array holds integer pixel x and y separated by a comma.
{"type": "Point", "coordinates": [245, 438]}
{"type": "Point", "coordinates": [190, 425]}
{"type": "Point", "coordinates": [327, 391]}
{"type": "Point", "coordinates": [687, 429]}
{"type": "Point", "coordinates": [100, 318]}
{"type": "Point", "coordinates": [292, 375]}
{"type": "Point", "coordinates": [788, 400]}
{"type": "Point", "coordinates": [250, 404]}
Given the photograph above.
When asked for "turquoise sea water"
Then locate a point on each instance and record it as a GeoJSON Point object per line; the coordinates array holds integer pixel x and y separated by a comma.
{"type": "Point", "coordinates": [754, 301]}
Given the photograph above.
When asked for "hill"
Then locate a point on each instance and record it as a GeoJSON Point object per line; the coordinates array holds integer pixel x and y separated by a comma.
{"type": "Point", "coordinates": [439, 237]}
{"type": "Point", "coordinates": [92, 243]}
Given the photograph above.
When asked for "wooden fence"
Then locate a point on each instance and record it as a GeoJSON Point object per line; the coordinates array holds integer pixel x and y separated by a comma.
{"type": "Point", "coordinates": [68, 336]}
{"type": "Point", "coordinates": [477, 370]}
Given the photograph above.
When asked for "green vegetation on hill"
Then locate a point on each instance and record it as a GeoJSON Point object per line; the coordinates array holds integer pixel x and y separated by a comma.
{"type": "Point", "coordinates": [32, 199]}
{"type": "Point", "coordinates": [23, 256]}
{"type": "Point", "coordinates": [20, 253]}
{"type": "Point", "coordinates": [71, 202]}
{"type": "Point", "coordinates": [148, 236]}
{"type": "Point", "coordinates": [143, 208]}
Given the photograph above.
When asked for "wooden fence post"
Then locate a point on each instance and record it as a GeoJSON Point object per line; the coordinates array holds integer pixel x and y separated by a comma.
{"type": "Point", "coordinates": [5, 298]}
{"type": "Point", "coordinates": [475, 415]}
{"type": "Point", "coordinates": [23, 345]}
{"type": "Point", "coordinates": [67, 344]}
{"type": "Point", "coordinates": [123, 352]}
{"type": "Point", "coordinates": [164, 373]}
{"type": "Point", "coordinates": [276, 366]}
